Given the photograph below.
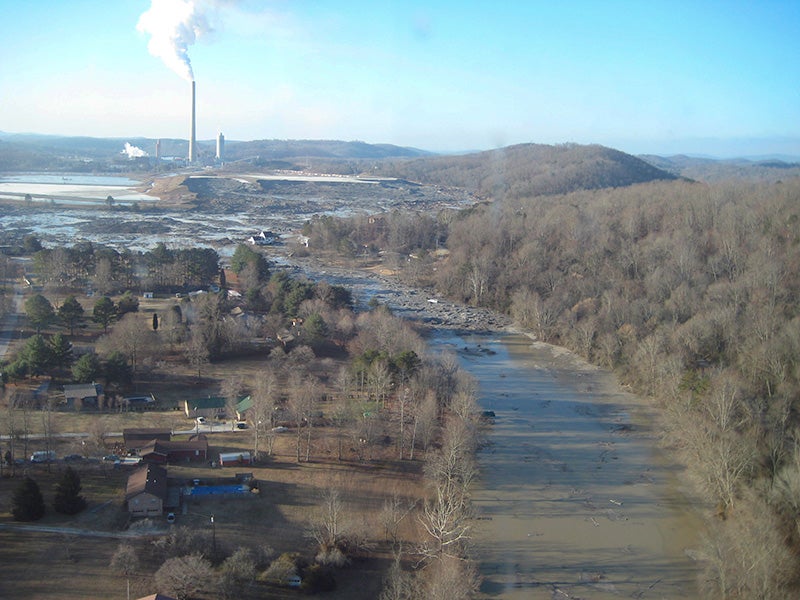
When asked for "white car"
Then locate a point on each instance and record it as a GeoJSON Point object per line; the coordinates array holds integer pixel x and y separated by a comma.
{"type": "Point", "coordinates": [201, 420]}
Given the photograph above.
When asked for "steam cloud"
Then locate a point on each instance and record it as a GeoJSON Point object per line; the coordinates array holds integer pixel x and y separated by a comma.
{"type": "Point", "coordinates": [173, 26]}
{"type": "Point", "coordinates": [133, 151]}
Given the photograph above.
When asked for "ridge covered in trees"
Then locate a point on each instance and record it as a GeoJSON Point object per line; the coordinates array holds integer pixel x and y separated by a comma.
{"type": "Point", "coordinates": [690, 293]}
{"type": "Point", "coordinates": [526, 170]}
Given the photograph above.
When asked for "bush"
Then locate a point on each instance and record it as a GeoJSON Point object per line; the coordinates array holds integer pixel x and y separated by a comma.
{"type": "Point", "coordinates": [281, 569]}
{"type": "Point", "coordinates": [318, 578]}
{"type": "Point", "coordinates": [331, 558]}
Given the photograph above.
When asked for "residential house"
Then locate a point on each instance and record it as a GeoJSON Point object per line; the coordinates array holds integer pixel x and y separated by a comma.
{"type": "Point", "coordinates": [83, 395]}
{"type": "Point", "coordinates": [146, 492]}
{"type": "Point", "coordinates": [135, 438]}
{"type": "Point", "coordinates": [244, 408]}
{"type": "Point", "coordinates": [158, 451]}
{"type": "Point", "coordinates": [213, 406]}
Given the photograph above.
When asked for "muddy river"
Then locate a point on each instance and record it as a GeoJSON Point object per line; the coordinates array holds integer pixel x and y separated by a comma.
{"type": "Point", "coordinates": [575, 498]}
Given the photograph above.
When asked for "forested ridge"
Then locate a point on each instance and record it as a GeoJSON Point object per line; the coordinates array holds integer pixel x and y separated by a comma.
{"type": "Point", "coordinates": [691, 293]}
{"type": "Point", "coordinates": [526, 170]}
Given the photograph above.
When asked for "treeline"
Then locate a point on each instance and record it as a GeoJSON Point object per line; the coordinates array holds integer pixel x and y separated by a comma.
{"type": "Point", "coordinates": [107, 270]}
{"type": "Point", "coordinates": [691, 293]}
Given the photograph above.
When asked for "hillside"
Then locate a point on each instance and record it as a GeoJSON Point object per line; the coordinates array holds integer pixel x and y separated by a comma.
{"type": "Point", "coordinates": [527, 170]}
{"type": "Point", "coordinates": [712, 170]}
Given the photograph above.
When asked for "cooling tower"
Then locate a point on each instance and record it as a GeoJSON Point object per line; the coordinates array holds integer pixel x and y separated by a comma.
{"type": "Point", "coordinates": [192, 138]}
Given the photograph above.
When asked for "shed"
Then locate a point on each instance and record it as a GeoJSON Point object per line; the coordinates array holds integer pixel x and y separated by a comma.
{"type": "Point", "coordinates": [234, 459]}
{"type": "Point", "coordinates": [212, 406]}
{"type": "Point", "coordinates": [147, 491]}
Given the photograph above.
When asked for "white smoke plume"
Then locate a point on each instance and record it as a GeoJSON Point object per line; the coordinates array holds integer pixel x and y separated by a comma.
{"type": "Point", "coordinates": [133, 151]}
{"type": "Point", "coordinates": [173, 26]}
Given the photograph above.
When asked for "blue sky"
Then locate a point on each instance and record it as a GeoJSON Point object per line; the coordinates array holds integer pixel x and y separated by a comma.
{"type": "Point", "coordinates": [717, 78]}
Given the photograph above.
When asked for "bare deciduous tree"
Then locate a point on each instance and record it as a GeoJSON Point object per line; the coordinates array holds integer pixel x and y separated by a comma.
{"type": "Point", "coordinates": [186, 576]}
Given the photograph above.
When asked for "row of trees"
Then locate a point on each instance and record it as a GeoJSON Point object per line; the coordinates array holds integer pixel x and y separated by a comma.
{"type": "Point", "coordinates": [27, 503]}
{"type": "Point", "coordinates": [109, 271]}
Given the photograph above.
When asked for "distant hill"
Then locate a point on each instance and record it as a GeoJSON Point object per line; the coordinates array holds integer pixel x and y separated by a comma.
{"type": "Point", "coordinates": [768, 170]}
{"type": "Point", "coordinates": [320, 149]}
{"type": "Point", "coordinates": [527, 170]}
{"type": "Point", "coordinates": [33, 151]}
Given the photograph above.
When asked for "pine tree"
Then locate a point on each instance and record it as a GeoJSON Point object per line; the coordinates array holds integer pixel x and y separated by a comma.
{"type": "Point", "coordinates": [27, 503]}
{"type": "Point", "coordinates": [68, 499]}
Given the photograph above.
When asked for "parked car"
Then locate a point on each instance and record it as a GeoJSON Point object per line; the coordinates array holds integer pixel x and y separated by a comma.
{"type": "Point", "coordinates": [111, 458]}
{"type": "Point", "coordinates": [73, 458]}
{"type": "Point", "coordinates": [241, 425]}
{"type": "Point", "coordinates": [170, 517]}
{"type": "Point", "coordinates": [43, 456]}
{"type": "Point", "coordinates": [201, 420]}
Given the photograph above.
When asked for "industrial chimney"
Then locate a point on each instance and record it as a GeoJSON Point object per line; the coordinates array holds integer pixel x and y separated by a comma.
{"type": "Point", "coordinates": [192, 138]}
{"type": "Point", "coordinates": [220, 147]}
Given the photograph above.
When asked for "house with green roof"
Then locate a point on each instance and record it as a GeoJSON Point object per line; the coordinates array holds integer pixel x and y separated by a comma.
{"type": "Point", "coordinates": [243, 406]}
{"type": "Point", "coordinates": [211, 406]}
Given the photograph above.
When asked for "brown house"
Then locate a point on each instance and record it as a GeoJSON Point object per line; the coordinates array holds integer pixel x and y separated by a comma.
{"type": "Point", "coordinates": [147, 491]}
{"type": "Point", "coordinates": [158, 451]}
{"type": "Point", "coordinates": [135, 438]}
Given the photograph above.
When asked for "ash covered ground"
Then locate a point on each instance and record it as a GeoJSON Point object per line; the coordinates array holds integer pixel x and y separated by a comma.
{"type": "Point", "coordinates": [220, 211]}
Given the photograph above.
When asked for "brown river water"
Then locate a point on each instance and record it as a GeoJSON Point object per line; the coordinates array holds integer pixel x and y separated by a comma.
{"type": "Point", "coordinates": [575, 499]}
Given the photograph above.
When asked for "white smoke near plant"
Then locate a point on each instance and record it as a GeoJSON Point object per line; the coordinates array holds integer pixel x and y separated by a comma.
{"type": "Point", "coordinates": [173, 26]}
{"type": "Point", "coordinates": [133, 151]}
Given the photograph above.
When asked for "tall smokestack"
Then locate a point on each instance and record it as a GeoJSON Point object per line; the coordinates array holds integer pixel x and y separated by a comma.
{"type": "Point", "coordinates": [220, 147]}
{"type": "Point", "coordinates": [192, 138]}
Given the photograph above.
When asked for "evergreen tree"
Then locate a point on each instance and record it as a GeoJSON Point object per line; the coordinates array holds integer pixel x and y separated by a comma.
{"type": "Point", "coordinates": [60, 351]}
{"type": "Point", "coordinates": [27, 503]}
{"type": "Point", "coordinates": [70, 313]}
{"type": "Point", "coordinates": [155, 322]}
{"type": "Point", "coordinates": [127, 303]}
{"type": "Point", "coordinates": [104, 311]}
{"type": "Point", "coordinates": [37, 355]}
{"type": "Point", "coordinates": [117, 369]}
{"type": "Point", "coordinates": [87, 368]}
{"type": "Point", "coordinates": [68, 499]}
{"type": "Point", "coordinates": [40, 312]}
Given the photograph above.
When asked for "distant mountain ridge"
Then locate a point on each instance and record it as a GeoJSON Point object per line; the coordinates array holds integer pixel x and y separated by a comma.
{"type": "Point", "coordinates": [712, 170]}
{"type": "Point", "coordinates": [526, 170]}
{"type": "Point", "coordinates": [30, 147]}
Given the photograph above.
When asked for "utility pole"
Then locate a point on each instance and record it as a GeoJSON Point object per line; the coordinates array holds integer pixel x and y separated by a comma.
{"type": "Point", "coordinates": [213, 537]}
